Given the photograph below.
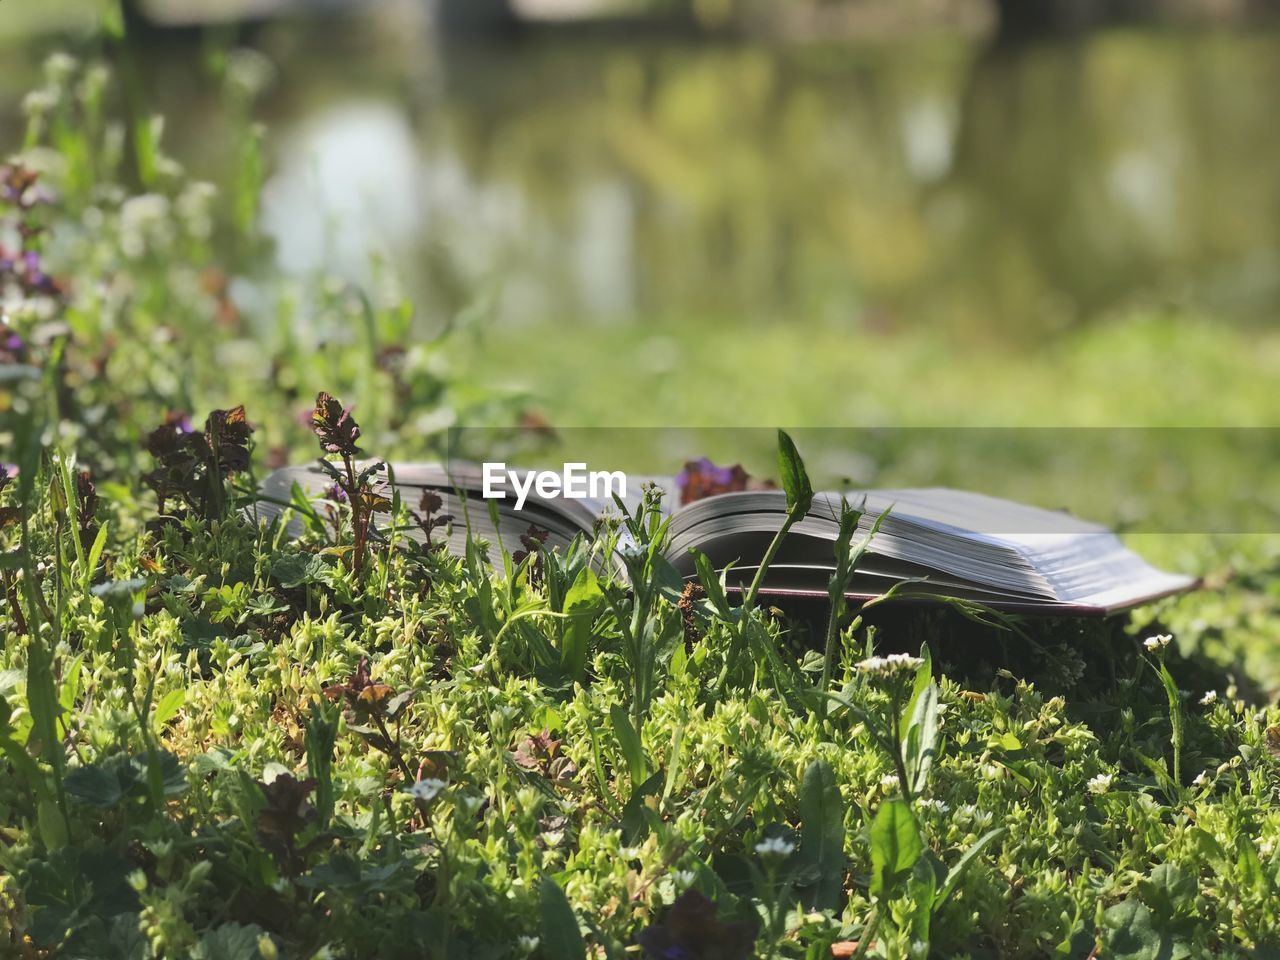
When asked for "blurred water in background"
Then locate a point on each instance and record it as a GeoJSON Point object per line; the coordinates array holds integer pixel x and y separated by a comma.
{"type": "Point", "coordinates": [920, 181]}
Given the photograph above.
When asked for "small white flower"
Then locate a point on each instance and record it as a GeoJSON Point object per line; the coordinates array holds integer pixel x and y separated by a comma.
{"type": "Point", "coordinates": [249, 72]}
{"type": "Point", "coordinates": [929, 803]}
{"type": "Point", "coordinates": [59, 66]}
{"type": "Point", "coordinates": [1209, 699]}
{"type": "Point", "coordinates": [888, 666]}
{"type": "Point", "coordinates": [684, 879]}
{"type": "Point", "coordinates": [1101, 783]}
{"type": "Point", "coordinates": [527, 944]}
{"type": "Point", "coordinates": [426, 790]}
{"type": "Point", "coordinates": [1201, 779]}
{"type": "Point", "coordinates": [1158, 642]}
{"type": "Point", "coordinates": [39, 102]}
{"type": "Point", "coordinates": [1266, 848]}
{"type": "Point", "coordinates": [775, 847]}
{"type": "Point", "coordinates": [889, 782]}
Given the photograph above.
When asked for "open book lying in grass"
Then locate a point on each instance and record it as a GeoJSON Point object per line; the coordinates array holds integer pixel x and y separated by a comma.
{"type": "Point", "coordinates": [930, 542]}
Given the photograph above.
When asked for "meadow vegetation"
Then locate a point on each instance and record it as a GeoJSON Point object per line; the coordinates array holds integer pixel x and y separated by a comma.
{"type": "Point", "coordinates": [221, 741]}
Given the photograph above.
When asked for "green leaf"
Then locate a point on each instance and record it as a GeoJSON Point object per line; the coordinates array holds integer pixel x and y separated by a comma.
{"type": "Point", "coordinates": [795, 479]}
{"type": "Point", "coordinates": [923, 677]}
{"type": "Point", "coordinates": [1168, 891]}
{"type": "Point", "coordinates": [710, 581]}
{"type": "Point", "coordinates": [958, 868]}
{"type": "Point", "coordinates": [629, 742]}
{"type": "Point", "coordinates": [922, 737]}
{"type": "Point", "coordinates": [822, 835]}
{"type": "Point", "coordinates": [923, 891]}
{"type": "Point", "coordinates": [581, 602]}
{"type": "Point", "coordinates": [561, 937]}
{"type": "Point", "coordinates": [231, 941]}
{"type": "Point", "coordinates": [97, 785]}
{"type": "Point", "coordinates": [1129, 934]}
{"type": "Point", "coordinates": [169, 706]}
{"type": "Point", "coordinates": [95, 554]}
{"type": "Point", "coordinates": [1175, 721]}
{"type": "Point", "coordinates": [296, 570]}
{"type": "Point", "coordinates": [633, 820]}
{"type": "Point", "coordinates": [895, 847]}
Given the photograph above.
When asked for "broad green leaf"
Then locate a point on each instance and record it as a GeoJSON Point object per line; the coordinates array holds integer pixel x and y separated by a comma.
{"type": "Point", "coordinates": [895, 847]}
{"type": "Point", "coordinates": [581, 601]}
{"type": "Point", "coordinates": [924, 743]}
{"type": "Point", "coordinates": [95, 784]}
{"type": "Point", "coordinates": [561, 937]}
{"type": "Point", "coordinates": [923, 890]}
{"type": "Point", "coordinates": [795, 479]}
{"type": "Point", "coordinates": [629, 742]}
{"type": "Point", "coordinates": [1168, 891]}
{"type": "Point", "coordinates": [1129, 934]}
{"type": "Point", "coordinates": [169, 706]}
{"type": "Point", "coordinates": [822, 835]}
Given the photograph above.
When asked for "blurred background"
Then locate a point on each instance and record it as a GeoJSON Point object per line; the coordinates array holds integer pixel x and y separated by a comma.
{"type": "Point", "coordinates": [738, 211]}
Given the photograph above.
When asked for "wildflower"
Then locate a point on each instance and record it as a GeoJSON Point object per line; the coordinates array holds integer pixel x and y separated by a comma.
{"type": "Point", "coordinates": [60, 65]}
{"type": "Point", "coordinates": [32, 277]}
{"type": "Point", "coordinates": [527, 944]}
{"type": "Point", "coordinates": [145, 225]}
{"type": "Point", "coordinates": [39, 102]}
{"type": "Point", "coordinates": [332, 423]}
{"type": "Point", "coordinates": [939, 806]}
{"type": "Point", "coordinates": [194, 207]}
{"type": "Point", "coordinates": [1201, 779]}
{"type": "Point", "coordinates": [13, 349]}
{"type": "Point", "coordinates": [1209, 699]}
{"type": "Point", "coordinates": [691, 929]}
{"type": "Point", "coordinates": [889, 782]}
{"type": "Point", "coordinates": [361, 692]}
{"type": "Point", "coordinates": [249, 72]}
{"type": "Point", "coordinates": [701, 478]}
{"type": "Point", "coordinates": [287, 810]}
{"type": "Point", "coordinates": [426, 790]}
{"type": "Point", "coordinates": [889, 666]}
{"type": "Point", "coordinates": [540, 753]}
{"type": "Point", "coordinates": [193, 465]}
{"type": "Point", "coordinates": [684, 879]}
{"type": "Point", "coordinates": [532, 539]}
{"type": "Point", "coordinates": [1158, 642]}
{"type": "Point", "coordinates": [1101, 783]}
{"type": "Point", "coordinates": [772, 848]}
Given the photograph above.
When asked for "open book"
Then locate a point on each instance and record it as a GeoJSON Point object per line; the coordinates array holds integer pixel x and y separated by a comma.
{"type": "Point", "coordinates": [934, 542]}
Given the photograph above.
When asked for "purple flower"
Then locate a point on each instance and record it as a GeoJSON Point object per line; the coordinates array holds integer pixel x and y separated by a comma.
{"type": "Point", "coordinates": [702, 478]}
{"type": "Point", "coordinates": [33, 277]}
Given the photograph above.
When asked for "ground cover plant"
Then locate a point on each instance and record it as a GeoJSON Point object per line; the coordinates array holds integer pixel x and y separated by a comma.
{"type": "Point", "coordinates": [218, 740]}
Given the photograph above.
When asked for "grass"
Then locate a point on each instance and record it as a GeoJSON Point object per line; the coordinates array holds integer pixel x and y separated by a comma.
{"type": "Point", "coordinates": [217, 741]}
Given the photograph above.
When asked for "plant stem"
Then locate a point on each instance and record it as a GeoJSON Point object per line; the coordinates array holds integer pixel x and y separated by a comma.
{"type": "Point", "coordinates": [895, 720]}
{"type": "Point", "coordinates": [749, 599]}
